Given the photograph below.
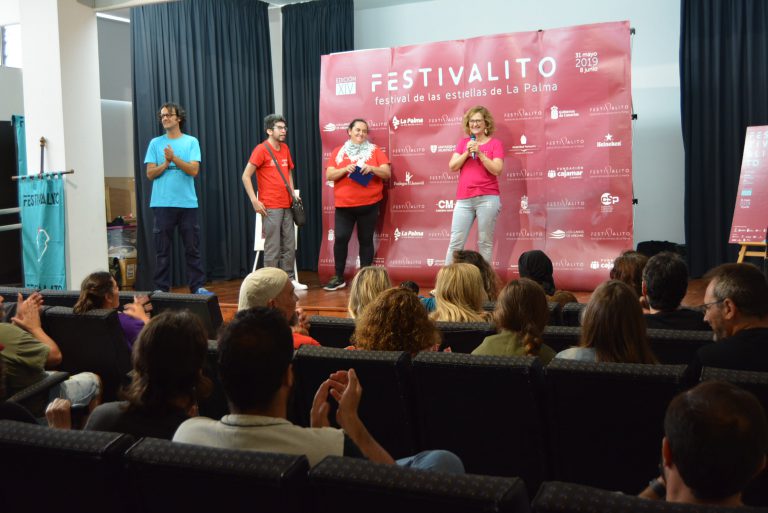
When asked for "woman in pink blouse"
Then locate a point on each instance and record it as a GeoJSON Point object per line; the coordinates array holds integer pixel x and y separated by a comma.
{"type": "Point", "coordinates": [479, 159]}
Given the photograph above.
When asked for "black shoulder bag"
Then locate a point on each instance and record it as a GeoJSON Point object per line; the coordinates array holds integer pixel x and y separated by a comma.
{"type": "Point", "coordinates": [297, 206]}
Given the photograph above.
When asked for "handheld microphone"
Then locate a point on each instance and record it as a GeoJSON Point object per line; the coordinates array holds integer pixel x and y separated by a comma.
{"type": "Point", "coordinates": [473, 138]}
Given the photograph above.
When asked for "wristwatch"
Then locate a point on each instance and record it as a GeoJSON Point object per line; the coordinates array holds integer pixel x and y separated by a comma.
{"type": "Point", "coordinates": [658, 487]}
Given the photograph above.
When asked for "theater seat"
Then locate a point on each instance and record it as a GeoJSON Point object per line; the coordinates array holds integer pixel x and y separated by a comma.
{"type": "Point", "coordinates": [331, 331]}
{"type": "Point", "coordinates": [557, 497]}
{"type": "Point", "coordinates": [93, 342]}
{"type": "Point", "coordinates": [677, 346]}
{"type": "Point", "coordinates": [347, 485]}
{"type": "Point", "coordinates": [486, 409]}
{"type": "Point", "coordinates": [69, 297]}
{"type": "Point", "coordinates": [606, 421]}
{"type": "Point", "coordinates": [464, 337]}
{"type": "Point", "coordinates": [169, 476]}
{"type": "Point", "coordinates": [205, 307]}
{"type": "Point", "coordinates": [386, 405]}
{"type": "Point", "coordinates": [572, 313]}
{"type": "Point", "coordinates": [561, 337]}
{"type": "Point", "coordinates": [46, 469]}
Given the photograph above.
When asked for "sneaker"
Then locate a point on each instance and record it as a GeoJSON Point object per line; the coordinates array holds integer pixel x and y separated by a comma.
{"type": "Point", "coordinates": [204, 292]}
{"type": "Point", "coordinates": [336, 283]}
{"type": "Point", "coordinates": [298, 286]}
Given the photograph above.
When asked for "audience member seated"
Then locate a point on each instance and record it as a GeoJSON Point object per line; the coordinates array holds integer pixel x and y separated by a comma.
{"type": "Point", "coordinates": [396, 321]}
{"type": "Point", "coordinates": [166, 382]}
{"type": "Point", "coordinates": [665, 283]}
{"type": "Point", "coordinates": [715, 443]}
{"type": "Point", "coordinates": [99, 291]}
{"type": "Point", "coordinates": [521, 315]}
{"type": "Point", "coordinates": [537, 266]}
{"type": "Point", "coordinates": [491, 280]}
{"type": "Point", "coordinates": [255, 353]}
{"type": "Point", "coordinates": [628, 267]}
{"type": "Point", "coordinates": [368, 283]}
{"type": "Point", "coordinates": [28, 351]}
{"type": "Point", "coordinates": [736, 307]}
{"type": "Point", "coordinates": [613, 328]}
{"type": "Point", "coordinates": [10, 410]}
{"type": "Point", "coordinates": [460, 295]}
{"type": "Point", "coordinates": [271, 287]}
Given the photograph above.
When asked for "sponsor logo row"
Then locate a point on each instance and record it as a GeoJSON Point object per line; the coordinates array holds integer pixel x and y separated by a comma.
{"type": "Point", "coordinates": [523, 234]}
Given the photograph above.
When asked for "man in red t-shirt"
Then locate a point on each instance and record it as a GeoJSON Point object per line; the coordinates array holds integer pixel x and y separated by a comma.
{"type": "Point", "coordinates": [274, 200]}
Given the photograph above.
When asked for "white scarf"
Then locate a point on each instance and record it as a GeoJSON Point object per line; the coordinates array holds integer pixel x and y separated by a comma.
{"type": "Point", "coordinates": [357, 153]}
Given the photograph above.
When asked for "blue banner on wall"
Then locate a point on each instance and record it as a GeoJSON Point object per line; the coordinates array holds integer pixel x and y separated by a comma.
{"type": "Point", "coordinates": [21, 143]}
{"type": "Point", "coordinates": [41, 201]}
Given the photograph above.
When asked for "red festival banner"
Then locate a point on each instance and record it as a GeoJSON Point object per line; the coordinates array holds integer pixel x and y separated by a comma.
{"type": "Point", "coordinates": [750, 215]}
{"type": "Point", "coordinates": [561, 101]}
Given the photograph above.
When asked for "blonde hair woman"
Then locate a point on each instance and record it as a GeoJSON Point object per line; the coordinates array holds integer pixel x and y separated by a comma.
{"type": "Point", "coordinates": [460, 295]}
{"type": "Point", "coordinates": [369, 282]}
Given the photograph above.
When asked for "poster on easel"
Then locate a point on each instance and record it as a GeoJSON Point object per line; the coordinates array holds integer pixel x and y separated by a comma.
{"type": "Point", "coordinates": [750, 214]}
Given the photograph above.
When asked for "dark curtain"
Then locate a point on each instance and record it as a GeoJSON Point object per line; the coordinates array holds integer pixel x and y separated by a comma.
{"type": "Point", "coordinates": [212, 57]}
{"type": "Point", "coordinates": [724, 79]}
{"type": "Point", "coordinates": [310, 30]}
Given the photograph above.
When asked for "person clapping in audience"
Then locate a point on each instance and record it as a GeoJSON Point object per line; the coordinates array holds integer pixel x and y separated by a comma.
{"type": "Point", "coordinates": [613, 328]}
{"type": "Point", "coordinates": [99, 291]}
{"type": "Point", "coordinates": [521, 314]}
{"type": "Point", "coordinates": [255, 353]}
{"type": "Point", "coordinates": [166, 382]}
{"type": "Point", "coordinates": [396, 321]}
{"type": "Point", "coordinates": [460, 295]}
{"type": "Point", "coordinates": [29, 352]}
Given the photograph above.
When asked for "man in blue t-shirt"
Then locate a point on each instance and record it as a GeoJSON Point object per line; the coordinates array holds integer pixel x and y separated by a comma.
{"type": "Point", "coordinates": [173, 161]}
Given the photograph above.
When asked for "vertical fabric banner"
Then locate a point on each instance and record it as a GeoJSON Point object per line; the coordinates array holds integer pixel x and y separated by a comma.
{"type": "Point", "coordinates": [561, 100]}
{"type": "Point", "coordinates": [41, 201]}
{"type": "Point", "coordinates": [21, 143]}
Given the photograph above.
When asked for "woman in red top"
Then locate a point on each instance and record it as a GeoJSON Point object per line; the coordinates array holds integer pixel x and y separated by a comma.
{"type": "Point", "coordinates": [479, 159]}
{"type": "Point", "coordinates": [357, 169]}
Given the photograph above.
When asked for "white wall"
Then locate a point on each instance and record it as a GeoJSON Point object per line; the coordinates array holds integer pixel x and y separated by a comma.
{"type": "Point", "coordinates": [9, 12]}
{"type": "Point", "coordinates": [11, 93]}
{"type": "Point", "coordinates": [61, 102]}
{"type": "Point", "coordinates": [116, 97]}
{"type": "Point", "coordinates": [276, 44]}
{"type": "Point", "coordinates": [658, 146]}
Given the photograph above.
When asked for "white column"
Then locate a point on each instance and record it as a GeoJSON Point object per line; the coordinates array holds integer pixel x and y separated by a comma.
{"type": "Point", "coordinates": [62, 104]}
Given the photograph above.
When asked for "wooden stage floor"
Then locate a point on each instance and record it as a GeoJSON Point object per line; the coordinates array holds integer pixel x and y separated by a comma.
{"type": "Point", "coordinates": [316, 301]}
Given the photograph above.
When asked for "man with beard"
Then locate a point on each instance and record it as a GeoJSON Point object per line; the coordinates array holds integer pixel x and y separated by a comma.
{"type": "Point", "coordinates": [736, 307]}
{"type": "Point", "coordinates": [269, 160]}
{"type": "Point", "coordinates": [271, 287]}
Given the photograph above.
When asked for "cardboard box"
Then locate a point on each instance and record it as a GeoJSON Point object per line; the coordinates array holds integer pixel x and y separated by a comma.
{"type": "Point", "coordinates": [120, 197]}
{"type": "Point", "coordinates": [124, 272]}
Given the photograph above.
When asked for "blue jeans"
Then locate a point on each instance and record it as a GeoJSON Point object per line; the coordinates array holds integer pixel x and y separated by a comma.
{"type": "Point", "coordinates": [437, 460]}
{"type": "Point", "coordinates": [486, 209]}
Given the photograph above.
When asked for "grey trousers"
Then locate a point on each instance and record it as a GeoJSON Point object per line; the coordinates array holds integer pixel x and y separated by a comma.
{"type": "Point", "coordinates": [279, 240]}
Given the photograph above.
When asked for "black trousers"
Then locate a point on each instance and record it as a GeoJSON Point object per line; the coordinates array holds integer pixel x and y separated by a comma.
{"type": "Point", "coordinates": [166, 221]}
{"type": "Point", "coordinates": [345, 219]}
